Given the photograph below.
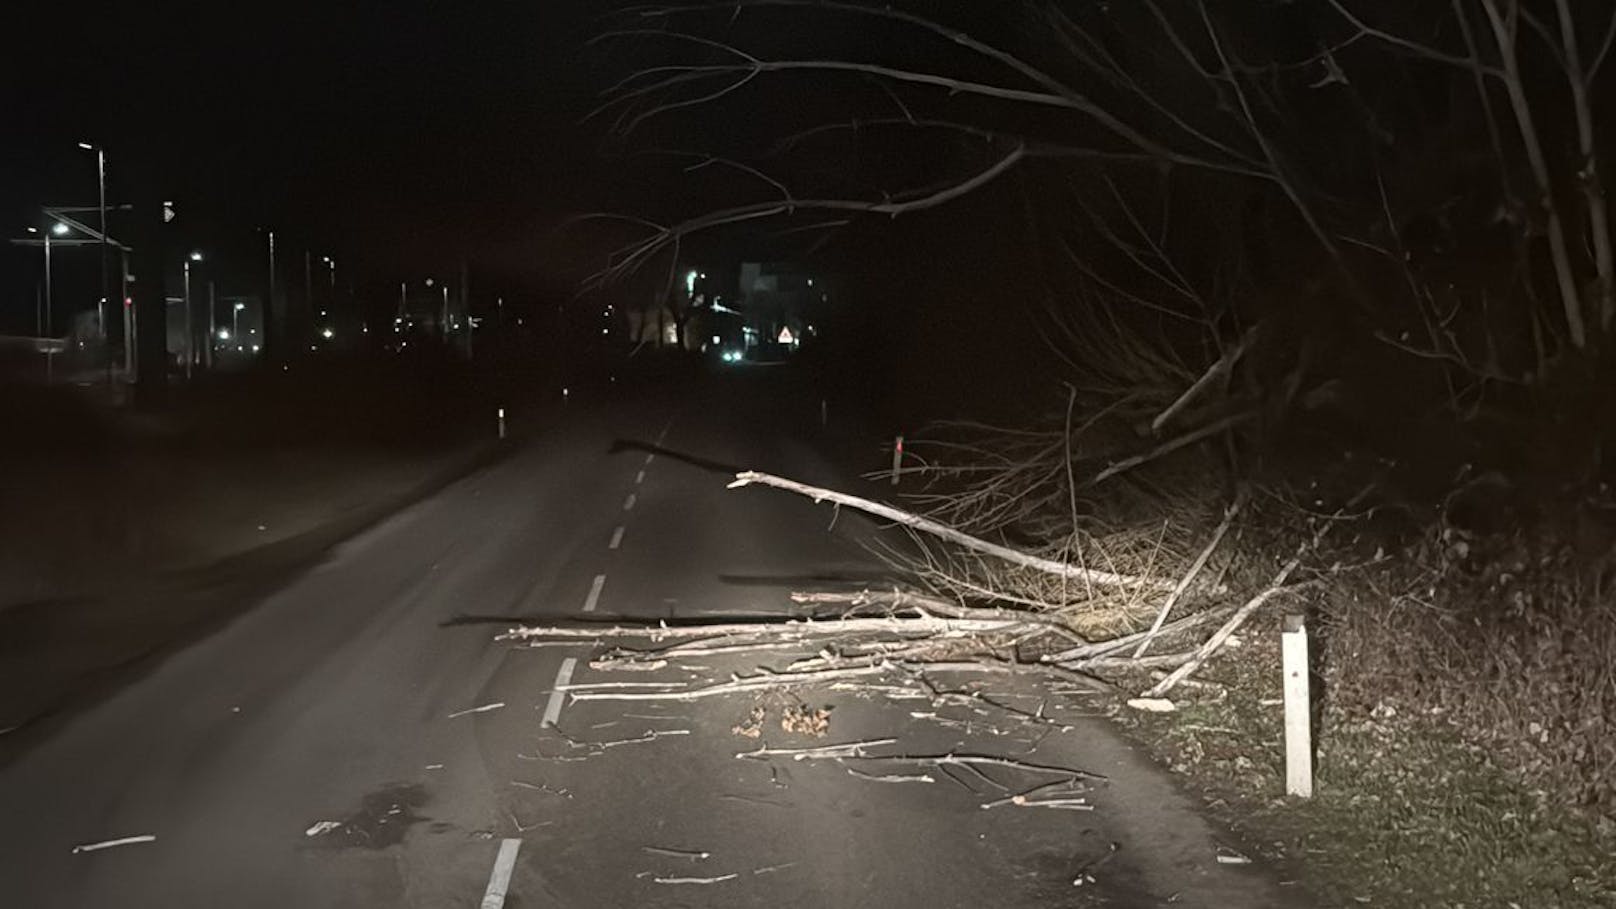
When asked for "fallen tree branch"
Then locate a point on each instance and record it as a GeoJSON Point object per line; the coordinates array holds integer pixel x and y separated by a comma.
{"type": "Point", "coordinates": [943, 531]}
{"type": "Point", "coordinates": [1214, 373]}
{"type": "Point", "coordinates": [1075, 656]}
{"type": "Point", "coordinates": [1276, 588]}
{"type": "Point", "coordinates": [1168, 447]}
{"type": "Point", "coordinates": [929, 604]}
{"type": "Point", "coordinates": [1194, 570]}
{"type": "Point", "coordinates": [803, 627]}
{"type": "Point", "coordinates": [749, 683]}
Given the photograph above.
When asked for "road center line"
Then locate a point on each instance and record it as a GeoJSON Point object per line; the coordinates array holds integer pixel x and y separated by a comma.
{"type": "Point", "coordinates": [552, 708]}
{"type": "Point", "coordinates": [639, 477]}
{"type": "Point", "coordinates": [628, 503]}
{"type": "Point", "coordinates": [649, 458]}
{"type": "Point", "coordinates": [593, 600]}
{"type": "Point", "coordinates": [500, 880]}
{"type": "Point", "coordinates": [617, 538]}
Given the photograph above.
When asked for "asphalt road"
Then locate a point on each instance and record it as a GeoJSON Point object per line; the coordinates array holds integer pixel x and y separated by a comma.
{"type": "Point", "coordinates": [360, 738]}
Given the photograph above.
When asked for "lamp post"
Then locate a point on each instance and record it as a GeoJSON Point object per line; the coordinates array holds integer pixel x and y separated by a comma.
{"type": "Point", "coordinates": [331, 300]}
{"type": "Point", "coordinates": [101, 196]}
{"type": "Point", "coordinates": [190, 335]}
{"type": "Point", "coordinates": [58, 229]}
{"type": "Point", "coordinates": [207, 351]}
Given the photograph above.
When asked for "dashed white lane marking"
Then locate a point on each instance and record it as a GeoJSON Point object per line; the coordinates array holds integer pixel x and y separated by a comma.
{"type": "Point", "coordinates": [552, 709]}
{"type": "Point", "coordinates": [649, 458]}
{"type": "Point", "coordinates": [639, 478]}
{"type": "Point", "coordinates": [617, 538]}
{"type": "Point", "coordinates": [628, 503]}
{"type": "Point", "coordinates": [593, 600]}
{"type": "Point", "coordinates": [500, 880]}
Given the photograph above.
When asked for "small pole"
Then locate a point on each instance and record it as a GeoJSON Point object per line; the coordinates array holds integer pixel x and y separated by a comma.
{"type": "Point", "coordinates": [50, 349]}
{"type": "Point", "coordinates": [897, 458]}
{"type": "Point", "coordinates": [824, 414]}
{"type": "Point", "coordinates": [564, 393]}
{"type": "Point", "coordinates": [213, 331]}
{"type": "Point", "coordinates": [127, 305]}
{"type": "Point", "coordinates": [502, 422]}
{"type": "Point", "coordinates": [1298, 710]}
{"type": "Point", "coordinates": [190, 337]}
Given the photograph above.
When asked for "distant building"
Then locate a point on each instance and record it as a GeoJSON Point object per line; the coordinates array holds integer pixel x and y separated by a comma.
{"type": "Point", "coordinates": [779, 302]}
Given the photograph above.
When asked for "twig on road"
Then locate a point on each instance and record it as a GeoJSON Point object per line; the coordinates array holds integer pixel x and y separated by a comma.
{"type": "Point", "coordinates": [697, 880]}
{"type": "Point", "coordinates": [483, 709]}
{"type": "Point", "coordinates": [109, 844]}
{"type": "Point", "coordinates": [843, 750]}
{"type": "Point", "coordinates": [693, 854]}
{"type": "Point", "coordinates": [891, 777]}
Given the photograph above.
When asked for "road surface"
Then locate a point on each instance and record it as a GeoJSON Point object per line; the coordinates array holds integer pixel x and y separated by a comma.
{"type": "Point", "coordinates": [359, 738]}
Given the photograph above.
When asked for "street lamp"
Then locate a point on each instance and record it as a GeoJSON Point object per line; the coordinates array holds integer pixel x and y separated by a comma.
{"type": "Point", "coordinates": [190, 336]}
{"type": "Point", "coordinates": [58, 230]}
{"type": "Point", "coordinates": [235, 319]}
{"type": "Point", "coordinates": [330, 264]}
{"type": "Point", "coordinates": [101, 195]}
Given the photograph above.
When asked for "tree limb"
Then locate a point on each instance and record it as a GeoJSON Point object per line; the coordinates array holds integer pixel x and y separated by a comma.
{"type": "Point", "coordinates": [942, 531]}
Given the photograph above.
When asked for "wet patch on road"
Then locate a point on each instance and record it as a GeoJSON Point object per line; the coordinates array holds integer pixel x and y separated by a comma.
{"type": "Point", "coordinates": [382, 820]}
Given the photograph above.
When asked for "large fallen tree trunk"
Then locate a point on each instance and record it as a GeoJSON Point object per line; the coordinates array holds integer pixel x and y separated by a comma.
{"type": "Point", "coordinates": [944, 532]}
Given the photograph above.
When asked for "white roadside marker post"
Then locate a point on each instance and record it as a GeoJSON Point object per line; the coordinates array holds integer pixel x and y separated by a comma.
{"type": "Point", "coordinates": [502, 423]}
{"type": "Point", "coordinates": [1298, 709]}
{"type": "Point", "coordinates": [897, 458]}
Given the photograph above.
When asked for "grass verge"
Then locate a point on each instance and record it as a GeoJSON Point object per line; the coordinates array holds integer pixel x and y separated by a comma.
{"type": "Point", "coordinates": [1406, 813]}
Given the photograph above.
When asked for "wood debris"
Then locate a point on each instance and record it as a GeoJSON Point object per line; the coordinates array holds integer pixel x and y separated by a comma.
{"type": "Point", "coordinates": [111, 844]}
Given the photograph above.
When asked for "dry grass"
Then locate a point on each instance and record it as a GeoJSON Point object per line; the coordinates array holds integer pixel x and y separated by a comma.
{"type": "Point", "coordinates": [1508, 642]}
{"type": "Point", "coordinates": [1407, 812]}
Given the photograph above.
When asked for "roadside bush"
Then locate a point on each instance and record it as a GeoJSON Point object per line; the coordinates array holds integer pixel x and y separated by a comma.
{"type": "Point", "coordinates": [1510, 640]}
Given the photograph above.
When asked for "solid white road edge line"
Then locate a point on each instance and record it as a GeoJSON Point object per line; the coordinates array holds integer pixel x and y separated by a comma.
{"type": "Point", "coordinates": [593, 600]}
{"type": "Point", "coordinates": [500, 879]}
{"type": "Point", "coordinates": [617, 538]}
{"type": "Point", "coordinates": [552, 708]}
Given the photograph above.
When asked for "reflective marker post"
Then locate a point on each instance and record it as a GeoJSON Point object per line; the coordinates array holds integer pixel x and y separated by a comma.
{"type": "Point", "coordinates": [502, 422]}
{"type": "Point", "coordinates": [897, 458]}
{"type": "Point", "coordinates": [1298, 709]}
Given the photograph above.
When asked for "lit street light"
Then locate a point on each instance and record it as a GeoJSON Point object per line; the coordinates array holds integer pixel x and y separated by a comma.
{"type": "Point", "coordinates": [332, 265]}
{"type": "Point", "coordinates": [58, 229]}
{"type": "Point", "coordinates": [101, 196]}
{"type": "Point", "coordinates": [190, 335]}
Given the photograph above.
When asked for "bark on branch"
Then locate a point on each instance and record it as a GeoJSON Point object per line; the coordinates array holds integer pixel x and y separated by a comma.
{"type": "Point", "coordinates": [944, 532]}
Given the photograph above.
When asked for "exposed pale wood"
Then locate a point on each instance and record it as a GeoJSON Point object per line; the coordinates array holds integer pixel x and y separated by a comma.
{"type": "Point", "coordinates": [1194, 570]}
{"type": "Point", "coordinates": [943, 531]}
{"type": "Point", "coordinates": [1202, 653]}
{"type": "Point", "coordinates": [771, 628]}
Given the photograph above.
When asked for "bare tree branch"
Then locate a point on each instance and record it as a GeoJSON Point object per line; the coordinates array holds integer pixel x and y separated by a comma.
{"type": "Point", "coordinates": [942, 531]}
{"type": "Point", "coordinates": [636, 254]}
{"type": "Point", "coordinates": [1593, 190]}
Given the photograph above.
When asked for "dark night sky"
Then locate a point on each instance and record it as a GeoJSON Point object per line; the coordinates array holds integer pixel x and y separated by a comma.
{"type": "Point", "coordinates": [399, 136]}
{"type": "Point", "coordinates": [394, 132]}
